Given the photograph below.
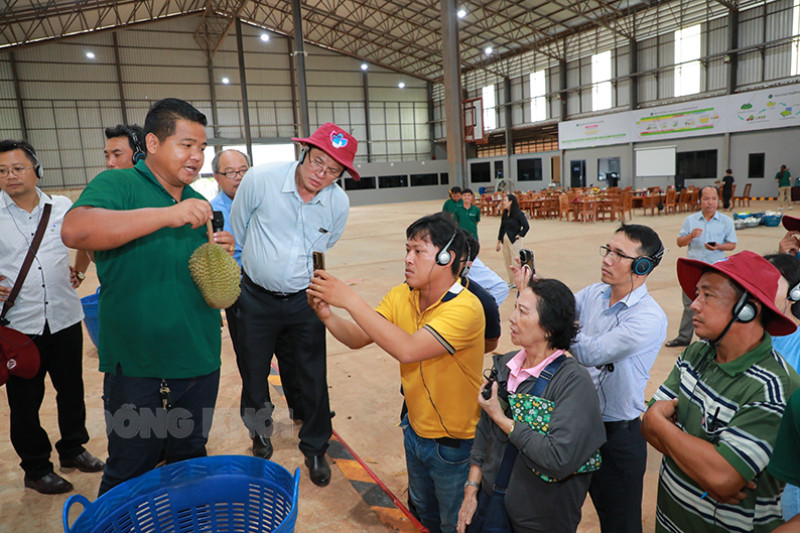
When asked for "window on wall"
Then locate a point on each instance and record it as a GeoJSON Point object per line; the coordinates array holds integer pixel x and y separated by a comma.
{"type": "Point", "coordinates": [366, 182]}
{"type": "Point", "coordinates": [601, 81]}
{"type": "Point", "coordinates": [697, 165]}
{"type": "Point", "coordinates": [480, 172]}
{"type": "Point", "coordinates": [795, 65]}
{"type": "Point", "coordinates": [489, 111]}
{"type": "Point", "coordinates": [755, 165]}
{"type": "Point", "coordinates": [538, 92]}
{"type": "Point", "coordinates": [687, 60]}
{"type": "Point", "coordinates": [390, 182]}
{"type": "Point", "coordinates": [529, 169]}
{"type": "Point", "coordinates": [424, 179]}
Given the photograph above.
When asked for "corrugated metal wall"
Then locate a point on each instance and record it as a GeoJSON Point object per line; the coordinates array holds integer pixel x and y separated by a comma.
{"type": "Point", "coordinates": [69, 99]}
{"type": "Point", "coordinates": [760, 22]}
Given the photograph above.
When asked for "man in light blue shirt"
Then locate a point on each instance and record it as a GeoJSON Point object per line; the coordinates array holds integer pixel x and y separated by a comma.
{"type": "Point", "coordinates": [621, 331]}
{"type": "Point", "coordinates": [229, 166]}
{"type": "Point", "coordinates": [489, 280]}
{"type": "Point", "coordinates": [282, 213]}
{"type": "Point", "coordinates": [709, 234]}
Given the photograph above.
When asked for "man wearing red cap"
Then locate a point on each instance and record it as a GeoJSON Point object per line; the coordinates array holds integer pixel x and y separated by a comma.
{"type": "Point", "coordinates": [716, 416]}
{"type": "Point", "coordinates": [282, 213]}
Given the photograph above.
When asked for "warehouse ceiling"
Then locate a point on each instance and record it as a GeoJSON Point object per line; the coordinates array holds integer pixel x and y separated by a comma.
{"type": "Point", "coordinates": [402, 35]}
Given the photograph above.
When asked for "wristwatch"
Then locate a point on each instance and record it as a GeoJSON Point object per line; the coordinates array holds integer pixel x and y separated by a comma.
{"type": "Point", "coordinates": [80, 275]}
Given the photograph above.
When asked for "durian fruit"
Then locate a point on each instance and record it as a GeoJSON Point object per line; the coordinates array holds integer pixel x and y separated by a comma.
{"type": "Point", "coordinates": [216, 273]}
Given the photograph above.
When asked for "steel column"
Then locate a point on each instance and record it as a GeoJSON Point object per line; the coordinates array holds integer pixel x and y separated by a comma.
{"type": "Point", "coordinates": [248, 138]}
{"type": "Point", "coordinates": [300, 65]}
{"type": "Point", "coordinates": [23, 126]}
{"type": "Point", "coordinates": [453, 105]}
{"type": "Point", "coordinates": [365, 82]}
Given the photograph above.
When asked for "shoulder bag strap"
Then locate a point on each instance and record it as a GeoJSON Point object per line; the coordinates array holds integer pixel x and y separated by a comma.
{"type": "Point", "coordinates": [26, 264]}
{"type": "Point", "coordinates": [510, 455]}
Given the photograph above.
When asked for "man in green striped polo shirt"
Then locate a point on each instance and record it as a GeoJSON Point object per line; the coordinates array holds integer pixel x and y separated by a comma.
{"type": "Point", "coordinates": [716, 416]}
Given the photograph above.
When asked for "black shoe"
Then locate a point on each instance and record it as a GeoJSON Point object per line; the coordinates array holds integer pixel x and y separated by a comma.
{"type": "Point", "coordinates": [51, 483]}
{"type": "Point", "coordinates": [675, 343]}
{"type": "Point", "coordinates": [318, 470]}
{"type": "Point", "coordinates": [262, 447]}
{"type": "Point", "coordinates": [85, 462]}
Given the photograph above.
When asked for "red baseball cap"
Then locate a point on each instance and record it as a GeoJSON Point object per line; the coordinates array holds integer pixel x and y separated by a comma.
{"type": "Point", "coordinates": [751, 271]}
{"type": "Point", "coordinates": [18, 355]}
{"type": "Point", "coordinates": [335, 142]}
{"type": "Point", "coordinates": [791, 223]}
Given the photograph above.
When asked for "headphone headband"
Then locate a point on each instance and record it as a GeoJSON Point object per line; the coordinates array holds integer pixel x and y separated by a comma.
{"type": "Point", "coordinates": [30, 152]}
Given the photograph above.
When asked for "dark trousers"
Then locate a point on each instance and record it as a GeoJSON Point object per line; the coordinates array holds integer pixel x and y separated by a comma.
{"type": "Point", "coordinates": [288, 328]}
{"type": "Point", "coordinates": [616, 489]}
{"type": "Point", "coordinates": [61, 356]}
{"type": "Point", "coordinates": [233, 329]}
{"type": "Point", "coordinates": [140, 430]}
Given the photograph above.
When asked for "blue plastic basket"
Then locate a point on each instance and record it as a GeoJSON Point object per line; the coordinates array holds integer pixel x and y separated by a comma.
{"type": "Point", "coordinates": [90, 306]}
{"type": "Point", "coordinates": [230, 493]}
{"type": "Point", "coordinates": [772, 221]}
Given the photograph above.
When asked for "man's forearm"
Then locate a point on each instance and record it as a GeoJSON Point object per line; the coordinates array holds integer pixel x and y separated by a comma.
{"type": "Point", "coordinates": [93, 228]}
{"type": "Point", "coordinates": [346, 332]}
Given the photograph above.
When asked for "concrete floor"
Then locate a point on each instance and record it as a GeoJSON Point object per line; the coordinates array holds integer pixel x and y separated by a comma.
{"type": "Point", "coordinates": [364, 385]}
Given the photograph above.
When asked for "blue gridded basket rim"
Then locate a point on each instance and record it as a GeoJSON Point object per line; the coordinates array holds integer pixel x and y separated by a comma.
{"type": "Point", "coordinates": [187, 479]}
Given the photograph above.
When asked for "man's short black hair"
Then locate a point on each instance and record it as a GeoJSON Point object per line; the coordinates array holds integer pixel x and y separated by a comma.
{"type": "Point", "coordinates": [468, 191]}
{"type": "Point", "coordinates": [163, 115]}
{"type": "Point", "coordinates": [455, 190]}
{"type": "Point", "coordinates": [788, 265]}
{"type": "Point", "coordinates": [556, 308]}
{"type": "Point", "coordinates": [473, 245]}
{"type": "Point", "coordinates": [438, 229]}
{"type": "Point", "coordinates": [649, 243]}
{"type": "Point", "coordinates": [130, 131]}
{"type": "Point", "coordinates": [9, 145]}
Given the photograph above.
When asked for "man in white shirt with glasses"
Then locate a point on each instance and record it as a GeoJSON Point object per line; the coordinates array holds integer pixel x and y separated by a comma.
{"type": "Point", "coordinates": [283, 212]}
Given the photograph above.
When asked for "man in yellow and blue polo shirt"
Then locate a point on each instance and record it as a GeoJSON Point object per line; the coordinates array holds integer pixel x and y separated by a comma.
{"type": "Point", "coordinates": [434, 328]}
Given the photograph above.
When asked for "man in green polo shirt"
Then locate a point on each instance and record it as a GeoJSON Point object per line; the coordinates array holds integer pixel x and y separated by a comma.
{"type": "Point", "coordinates": [159, 341]}
{"type": "Point", "coordinates": [716, 416]}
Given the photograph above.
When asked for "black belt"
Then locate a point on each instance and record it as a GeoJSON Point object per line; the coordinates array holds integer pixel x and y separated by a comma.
{"type": "Point", "coordinates": [618, 425]}
{"type": "Point", "coordinates": [277, 295]}
{"type": "Point", "coordinates": [448, 442]}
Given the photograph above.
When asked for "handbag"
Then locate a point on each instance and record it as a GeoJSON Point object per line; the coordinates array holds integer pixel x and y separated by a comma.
{"type": "Point", "coordinates": [18, 355]}
{"type": "Point", "coordinates": [490, 514]}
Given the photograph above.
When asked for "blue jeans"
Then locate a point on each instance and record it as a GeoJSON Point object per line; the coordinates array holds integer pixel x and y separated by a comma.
{"type": "Point", "coordinates": [141, 432]}
{"type": "Point", "coordinates": [436, 477]}
{"type": "Point", "coordinates": [790, 502]}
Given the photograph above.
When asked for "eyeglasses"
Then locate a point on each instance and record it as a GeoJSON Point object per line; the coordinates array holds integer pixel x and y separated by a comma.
{"type": "Point", "coordinates": [318, 166]}
{"type": "Point", "coordinates": [232, 174]}
{"type": "Point", "coordinates": [615, 255]}
{"type": "Point", "coordinates": [17, 171]}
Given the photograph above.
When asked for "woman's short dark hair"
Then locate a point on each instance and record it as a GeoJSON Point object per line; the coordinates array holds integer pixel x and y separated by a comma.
{"type": "Point", "coordinates": [439, 228]}
{"type": "Point", "coordinates": [162, 116]}
{"type": "Point", "coordinates": [556, 309]}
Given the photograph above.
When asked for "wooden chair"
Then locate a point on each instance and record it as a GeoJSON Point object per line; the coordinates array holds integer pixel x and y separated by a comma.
{"type": "Point", "coordinates": [745, 197]}
{"type": "Point", "coordinates": [694, 200]}
{"type": "Point", "coordinates": [564, 209]}
{"type": "Point", "coordinates": [669, 202]}
{"type": "Point", "coordinates": [626, 205]}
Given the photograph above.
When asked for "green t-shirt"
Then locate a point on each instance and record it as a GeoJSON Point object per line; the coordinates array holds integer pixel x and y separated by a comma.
{"type": "Point", "coordinates": [153, 320]}
{"type": "Point", "coordinates": [784, 178]}
{"type": "Point", "coordinates": [451, 205]}
{"type": "Point", "coordinates": [785, 461]}
{"type": "Point", "coordinates": [737, 406]}
{"type": "Point", "coordinates": [468, 218]}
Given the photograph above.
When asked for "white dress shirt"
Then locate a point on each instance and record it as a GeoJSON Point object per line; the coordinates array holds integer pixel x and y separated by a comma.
{"type": "Point", "coordinates": [46, 294]}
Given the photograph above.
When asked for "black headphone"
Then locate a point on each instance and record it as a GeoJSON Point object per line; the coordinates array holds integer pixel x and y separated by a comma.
{"type": "Point", "coordinates": [745, 310]}
{"type": "Point", "coordinates": [39, 169]}
{"type": "Point", "coordinates": [138, 153]}
{"type": "Point", "coordinates": [645, 264]}
{"type": "Point", "coordinates": [794, 296]}
{"type": "Point", "coordinates": [303, 154]}
{"type": "Point", "coordinates": [443, 257]}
